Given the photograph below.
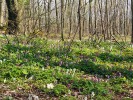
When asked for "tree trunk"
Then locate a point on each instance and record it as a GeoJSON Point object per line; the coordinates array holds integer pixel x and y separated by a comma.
{"type": "Point", "coordinates": [62, 20]}
{"type": "Point", "coordinates": [90, 17]}
{"type": "Point", "coordinates": [0, 12]}
{"type": "Point", "coordinates": [49, 13]}
{"type": "Point", "coordinates": [132, 21]}
{"type": "Point", "coordinates": [13, 23]}
{"type": "Point", "coordinates": [79, 20]}
{"type": "Point", "coordinates": [57, 21]}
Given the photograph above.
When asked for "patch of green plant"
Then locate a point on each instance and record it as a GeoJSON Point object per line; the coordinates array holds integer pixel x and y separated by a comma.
{"type": "Point", "coordinates": [60, 89]}
{"type": "Point", "coordinates": [68, 98]}
{"type": "Point", "coordinates": [122, 80]}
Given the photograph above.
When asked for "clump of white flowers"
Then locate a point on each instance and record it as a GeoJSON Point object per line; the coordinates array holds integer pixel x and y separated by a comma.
{"type": "Point", "coordinates": [71, 71]}
{"type": "Point", "coordinates": [1, 61]}
{"type": "Point", "coordinates": [74, 70]}
{"type": "Point", "coordinates": [92, 95]}
{"type": "Point", "coordinates": [33, 97]}
{"type": "Point", "coordinates": [50, 86]}
{"type": "Point", "coordinates": [67, 72]}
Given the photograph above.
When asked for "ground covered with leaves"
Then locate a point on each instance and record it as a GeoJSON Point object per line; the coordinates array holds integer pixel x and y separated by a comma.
{"type": "Point", "coordinates": [53, 70]}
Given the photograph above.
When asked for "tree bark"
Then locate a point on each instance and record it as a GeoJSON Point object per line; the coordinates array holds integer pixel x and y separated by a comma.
{"type": "Point", "coordinates": [49, 13]}
{"type": "Point", "coordinates": [62, 20]}
{"type": "Point", "coordinates": [90, 17]}
{"type": "Point", "coordinates": [79, 20]}
{"type": "Point", "coordinates": [132, 21]}
{"type": "Point", "coordinates": [13, 23]}
{"type": "Point", "coordinates": [57, 21]}
{"type": "Point", "coordinates": [0, 12]}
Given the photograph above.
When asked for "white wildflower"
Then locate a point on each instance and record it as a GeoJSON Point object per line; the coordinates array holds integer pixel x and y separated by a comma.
{"type": "Point", "coordinates": [86, 98]}
{"type": "Point", "coordinates": [69, 92]}
{"type": "Point", "coordinates": [14, 79]}
{"type": "Point", "coordinates": [67, 71]}
{"type": "Point", "coordinates": [50, 86]}
{"type": "Point", "coordinates": [30, 78]}
{"type": "Point", "coordinates": [5, 80]}
{"type": "Point", "coordinates": [44, 86]}
{"type": "Point", "coordinates": [67, 65]}
{"type": "Point", "coordinates": [30, 97]}
{"type": "Point", "coordinates": [92, 94]}
{"type": "Point", "coordinates": [131, 45]}
{"type": "Point", "coordinates": [1, 61]}
{"type": "Point", "coordinates": [71, 70]}
{"type": "Point", "coordinates": [33, 97]}
{"type": "Point", "coordinates": [74, 70]}
{"type": "Point", "coordinates": [42, 68]}
{"type": "Point", "coordinates": [103, 49]}
{"type": "Point", "coordinates": [71, 63]}
{"type": "Point", "coordinates": [97, 46]}
{"type": "Point", "coordinates": [4, 60]}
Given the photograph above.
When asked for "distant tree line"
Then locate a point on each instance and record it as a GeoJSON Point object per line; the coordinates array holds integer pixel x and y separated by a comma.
{"type": "Point", "coordinates": [96, 19]}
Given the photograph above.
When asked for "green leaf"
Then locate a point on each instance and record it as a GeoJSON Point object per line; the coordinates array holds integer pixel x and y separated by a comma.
{"type": "Point", "coordinates": [24, 71]}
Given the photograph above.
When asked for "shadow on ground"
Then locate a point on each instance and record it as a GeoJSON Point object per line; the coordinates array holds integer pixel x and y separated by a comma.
{"type": "Point", "coordinates": [42, 57]}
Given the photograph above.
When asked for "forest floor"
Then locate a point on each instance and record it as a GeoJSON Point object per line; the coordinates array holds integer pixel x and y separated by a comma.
{"type": "Point", "coordinates": [52, 70]}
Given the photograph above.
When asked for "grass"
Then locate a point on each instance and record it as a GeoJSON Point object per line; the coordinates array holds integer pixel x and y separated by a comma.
{"type": "Point", "coordinates": [49, 69]}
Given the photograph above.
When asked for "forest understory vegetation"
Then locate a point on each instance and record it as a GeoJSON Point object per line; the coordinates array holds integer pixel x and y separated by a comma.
{"type": "Point", "coordinates": [47, 69]}
{"type": "Point", "coordinates": [66, 49]}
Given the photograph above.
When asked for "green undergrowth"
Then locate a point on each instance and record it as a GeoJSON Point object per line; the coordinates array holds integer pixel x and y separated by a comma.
{"type": "Point", "coordinates": [88, 69]}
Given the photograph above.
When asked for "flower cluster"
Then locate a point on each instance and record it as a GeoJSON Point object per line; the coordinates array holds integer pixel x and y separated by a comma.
{"type": "Point", "coordinates": [50, 86]}
{"type": "Point", "coordinates": [1, 61]}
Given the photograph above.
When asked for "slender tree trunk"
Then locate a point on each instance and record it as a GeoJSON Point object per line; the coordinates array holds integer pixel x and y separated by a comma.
{"type": "Point", "coordinates": [132, 21]}
{"type": "Point", "coordinates": [62, 20]}
{"type": "Point", "coordinates": [84, 19]}
{"type": "Point", "coordinates": [101, 15]}
{"type": "Point", "coordinates": [79, 20]}
{"type": "Point", "coordinates": [49, 12]}
{"type": "Point", "coordinates": [95, 12]}
{"type": "Point", "coordinates": [127, 24]}
{"type": "Point", "coordinates": [70, 16]}
{"type": "Point", "coordinates": [46, 22]}
{"type": "Point", "coordinates": [57, 21]}
{"type": "Point", "coordinates": [124, 17]}
{"type": "Point", "coordinates": [13, 23]}
{"type": "Point", "coordinates": [106, 20]}
{"type": "Point", "coordinates": [0, 12]}
{"type": "Point", "coordinates": [39, 17]}
{"type": "Point", "coordinates": [90, 17]}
